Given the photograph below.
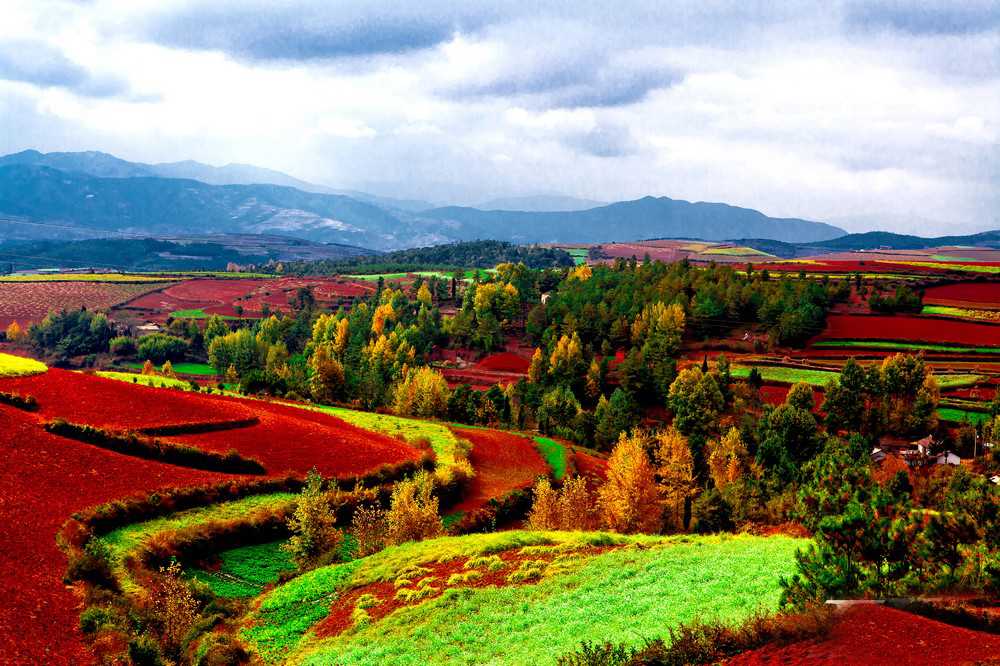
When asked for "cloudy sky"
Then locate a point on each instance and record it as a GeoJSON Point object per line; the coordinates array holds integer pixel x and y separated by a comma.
{"type": "Point", "coordinates": [843, 111]}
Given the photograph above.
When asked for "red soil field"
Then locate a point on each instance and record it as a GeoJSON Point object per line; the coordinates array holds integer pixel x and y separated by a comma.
{"type": "Point", "coordinates": [44, 480]}
{"type": "Point", "coordinates": [83, 398]}
{"type": "Point", "coordinates": [853, 266]}
{"type": "Point", "coordinates": [910, 329]}
{"type": "Point", "coordinates": [775, 395]}
{"type": "Point", "coordinates": [27, 302]}
{"type": "Point", "coordinates": [291, 439]}
{"type": "Point", "coordinates": [286, 439]}
{"type": "Point", "coordinates": [221, 296]}
{"type": "Point", "coordinates": [965, 295]}
{"type": "Point", "coordinates": [504, 362]}
{"type": "Point", "coordinates": [879, 636]}
{"type": "Point", "coordinates": [503, 462]}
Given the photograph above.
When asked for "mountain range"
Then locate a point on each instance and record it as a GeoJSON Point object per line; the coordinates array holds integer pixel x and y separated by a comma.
{"type": "Point", "coordinates": [93, 194]}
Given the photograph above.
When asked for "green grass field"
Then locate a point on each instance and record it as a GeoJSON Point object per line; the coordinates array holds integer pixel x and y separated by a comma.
{"type": "Point", "coordinates": [965, 268]}
{"type": "Point", "coordinates": [629, 594]}
{"type": "Point", "coordinates": [555, 454]}
{"type": "Point", "coordinates": [18, 366]}
{"type": "Point", "coordinates": [963, 313]}
{"type": "Point", "coordinates": [579, 254]}
{"type": "Point", "coordinates": [736, 252]}
{"type": "Point", "coordinates": [202, 369]}
{"type": "Point", "coordinates": [197, 314]}
{"type": "Point", "coordinates": [954, 415]}
{"type": "Point", "coordinates": [785, 375]}
{"type": "Point", "coordinates": [156, 381]}
{"type": "Point", "coordinates": [244, 571]}
{"type": "Point", "coordinates": [441, 439]}
{"type": "Point", "coordinates": [905, 346]}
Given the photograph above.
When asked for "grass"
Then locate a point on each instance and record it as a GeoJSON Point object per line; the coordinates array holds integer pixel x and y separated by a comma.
{"type": "Point", "coordinates": [555, 455]}
{"type": "Point", "coordinates": [197, 314]}
{"type": "Point", "coordinates": [579, 254]}
{"type": "Point", "coordinates": [441, 439]}
{"type": "Point", "coordinates": [156, 381]}
{"type": "Point", "coordinates": [964, 313]}
{"type": "Point", "coordinates": [954, 415]}
{"type": "Point", "coordinates": [948, 257]}
{"type": "Point", "coordinates": [785, 375]}
{"type": "Point", "coordinates": [84, 277]}
{"type": "Point", "coordinates": [202, 369]}
{"type": "Point", "coordinates": [244, 571]}
{"type": "Point", "coordinates": [18, 366]}
{"type": "Point", "coordinates": [906, 346]}
{"type": "Point", "coordinates": [637, 591]}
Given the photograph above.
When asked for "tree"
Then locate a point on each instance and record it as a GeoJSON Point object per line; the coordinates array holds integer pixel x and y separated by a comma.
{"type": "Point", "coordinates": [421, 392]}
{"type": "Point", "coordinates": [677, 478]}
{"type": "Point", "coordinates": [696, 401]}
{"type": "Point", "coordinates": [15, 333]}
{"type": "Point", "coordinates": [424, 295]}
{"type": "Point", "coordinates": [368, 527]}
{"type": "Point", "coordinates": [326, 383]}
{"type": "Point", "coordinates": [728, 460]}
{"type": "Point", "coordinates": [240, 349]}
{"type": "Point", "coordinates": [168, 370]}
{"type": "Point", "coordinates": [215, 327]}
{"type": "Point", "coordinates": [613, 417]}
{"type": "Point", "coordinates": [544, 514]}
{"type": "Point", "coordinates": [788, 438]}
{"type": "Point", "coordinates": [313, 524]}
{"type": "Point", "coordinates": [558, 410]}
{"type": "Point", "coordinates": [566, 363]}
{"type": "Point", "coordinates": [577, 506]}
{"type": "Point", "coordinates": [413, 511]}
{"type": "Point", "coordinates": [801, 396]}
{"type": "Point", "coordinates": [148, 369]}
{"type": "Point", "coordinates": [630, 499]}
{"type": "Point", "coordinates": [538, 368]}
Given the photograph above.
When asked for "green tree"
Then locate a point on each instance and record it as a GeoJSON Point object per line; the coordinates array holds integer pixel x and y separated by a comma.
{"type": "Point", "coordinates": [696, 401]}
{"type": "Point", "coordinates": [313, 525]}
{"type": "Point", "coordinates": [613, 417]}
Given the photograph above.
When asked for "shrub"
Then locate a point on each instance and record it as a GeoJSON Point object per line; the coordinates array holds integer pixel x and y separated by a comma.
{"type": "Point", "coordinates": [122, 345]}
{"type": "Point", "coordinates": [26, 402]}
{"type": "Point", "coordinates": [413, 511]}
{"type": "Point", "coordinates": [160, 347]}
{"type": "Point", "coordinates": [369, 527]}
{"type": "Point", "coordinates": [313, 525]}
{"type": "Point", "coordinates": [711, 513]}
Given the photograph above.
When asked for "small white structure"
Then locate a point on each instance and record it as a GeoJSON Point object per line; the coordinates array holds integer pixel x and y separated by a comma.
{"type": "Point", "coordinates": [995, 479]}
{"type": "Point", "coordinates": [947, 458]}
{"type": "Point", "coordinates": [148, 327]}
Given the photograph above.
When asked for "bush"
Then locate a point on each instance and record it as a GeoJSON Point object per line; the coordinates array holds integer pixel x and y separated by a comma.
{"type": "Point", "coordinates": [122, 345]}
{"type": "Point", "coordinates": [160, 347]}
{"type": "Point", "coordinates": [711, 513]}
{"type": "Point", "coordinates": [26, 402]}
{"type": "Point", "coordinates": [413, 511]}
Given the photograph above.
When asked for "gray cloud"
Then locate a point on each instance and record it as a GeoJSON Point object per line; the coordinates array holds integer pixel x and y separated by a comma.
{"type": "Point", "coordinates": [926, 17]}
{"type": "Point", "coordinates": [37, 63]}
{"type": "Point", "coordinates": [606, 140]}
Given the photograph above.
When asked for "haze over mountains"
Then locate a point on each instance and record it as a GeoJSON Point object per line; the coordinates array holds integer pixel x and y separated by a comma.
{"type": "Point", "coordinates": [93, 194]}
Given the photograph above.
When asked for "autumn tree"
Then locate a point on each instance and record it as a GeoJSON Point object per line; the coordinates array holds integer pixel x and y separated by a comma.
{"type": "Point", "coordinates": [326, 382]}
{"type": "Point", "coordinates": [544, 514]}
{"type": "Point", "coordinates": [369, 527]}
{"type": "Point", "coordinates": [728, 460]}
{"type": "Point", "coordinates": [15, 333]}
{"type": "Point", "coordinates": [630, 498]}
{"type": "Point", "coordinates": [539, 368]}
{"type": "Point", "coordinates": [313, 525]}
{"type": "Point", "coordinates": [577, 506]}
{"type": "Point", "coordinates": [168, 370]}
{"type": "Point", "coordinates": [173, 605]}
{"type": "Point", "coordinates": [421, 392]}
{"type": "Point", "coordinates": [413, 511]}
{"type": "Point", "coordinates": [424, 295]}
{"type": "Point", "coordinates": [677, 476]}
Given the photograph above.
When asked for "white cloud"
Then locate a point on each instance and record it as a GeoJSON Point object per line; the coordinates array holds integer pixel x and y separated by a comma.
{"type": "Point", "coordinates": [777, 106]}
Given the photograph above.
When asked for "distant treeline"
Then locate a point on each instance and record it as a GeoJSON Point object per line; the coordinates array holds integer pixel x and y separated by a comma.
{"type": "Point", "coordinates": [472, 254]}
{"type": "Point", "coordinates": [120, 253]}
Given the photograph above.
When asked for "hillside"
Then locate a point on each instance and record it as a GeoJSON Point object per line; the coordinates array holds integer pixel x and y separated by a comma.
{"type": "Point", "coordinates": [628, 220]}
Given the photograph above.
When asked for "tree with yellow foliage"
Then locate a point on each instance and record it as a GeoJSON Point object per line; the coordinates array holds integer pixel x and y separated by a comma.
{"type": "Point", "coordinates": [413, 511]}
{"type": "Point", "coordinates": [677, 476]}
{"type": "Point", "coordinates": [728, 459]}
{"type": "Point", "coordinates": [566, 360]}
{"type": "Point", "coordinates": [168, 370]}
{"type": "Point", "coordinates": [424, 295]}
{"type": "Point", "coordinates": [544, 514]}
{"type": "Point", "coordinates": [582, 273]}
{"type": "Point", "coordinates": [148, 368]}
{"type": "Point", "coordinates": [421, 392]}
{"type": "Point", "coordinates": [327, 380]}
{"type": "Point", "coordinates": [15, 333]}
{"type": "Point", "coordinates": [538, 368]}
{"type": "Point", "coordinates": [630, 499]}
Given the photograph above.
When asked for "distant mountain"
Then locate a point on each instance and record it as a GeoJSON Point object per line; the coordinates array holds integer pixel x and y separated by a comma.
{"type": "Point", "coordinates": [41, 202]}
{"type": "Point", "coordinates": [539, 203]}
{"type": "Point", "coordinates": [871, 240]}
{"type": "Point", "coordinates": [630, 220]}
{"type": "Point", "coordinates": [93, 194]}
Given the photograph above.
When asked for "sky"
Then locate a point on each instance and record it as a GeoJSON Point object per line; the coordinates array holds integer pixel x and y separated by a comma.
{"type": "Point", "coordinates": [879, 114]}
